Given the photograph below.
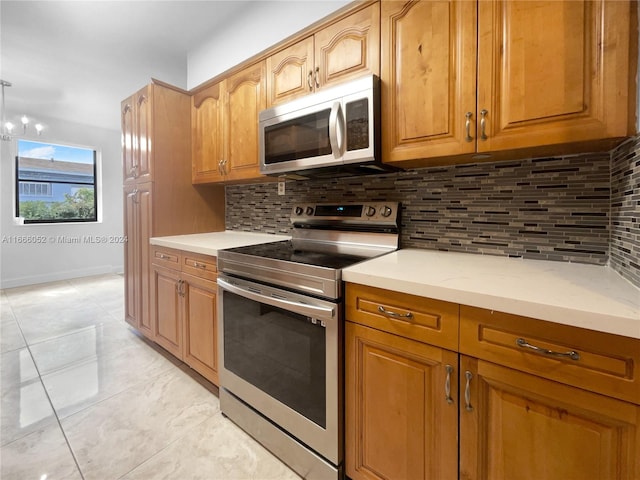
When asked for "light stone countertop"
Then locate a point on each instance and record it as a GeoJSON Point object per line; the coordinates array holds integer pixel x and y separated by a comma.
{"type": "Point", "coordinates": [587, 296]}
{"type": "Point", "coordinates": [210, 243]}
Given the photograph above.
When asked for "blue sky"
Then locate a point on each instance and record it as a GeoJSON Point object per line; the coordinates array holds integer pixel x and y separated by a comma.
{"type": "Point", "coordinates": [27, 148]}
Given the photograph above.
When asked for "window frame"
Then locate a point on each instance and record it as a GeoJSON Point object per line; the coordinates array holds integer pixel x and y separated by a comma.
{"type": "Point", "coordinates": [54, 221]}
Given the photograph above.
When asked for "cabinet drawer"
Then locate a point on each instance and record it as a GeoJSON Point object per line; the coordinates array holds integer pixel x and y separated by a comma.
{"type": "Point", "coordinates": [165, 257]}
{"type": "Point", "coordinates": [202, 266]}
{"type": "Point", "coordinates": [410, 316]}
{"type": "Point", "coordinates": [595, 361]}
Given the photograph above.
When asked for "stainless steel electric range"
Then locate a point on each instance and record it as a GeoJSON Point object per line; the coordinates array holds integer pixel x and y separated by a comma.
{"type": "Point", "coordinates": [281, 317]}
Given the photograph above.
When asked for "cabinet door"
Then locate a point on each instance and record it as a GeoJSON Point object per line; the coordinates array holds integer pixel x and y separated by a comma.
{"type": "Point", "coordinates": [514, 425]}
{"type": "Point", "coordinates": [144, 134]}
{"type": "Point", "coordinates": [245, 97]}
{"type": "Point", "coordinates": [144, 220]}
{"type": "Point", "coordinates": [207, 134]}
{"type": "Point", "coordinates": [200, 327]}
{"type": "Point", "coordinates": [290, 72]}
{"type": "Point", "coordinates": [552, 72]}
{"type": "Point", "coordinates": [128, 139]}
{"type": "Point", "coordinates": [428, 72]}
{"type": "Point", "coordinates": [349, 48]}
{"type": "Point", "coordinates": [399, 423]}
{"type": "Point", "coordinates": [132, 280]}
{"type": "Point", "coordinates": [138, 223]}
{"type": "Point", "coordinates": [166, 309]}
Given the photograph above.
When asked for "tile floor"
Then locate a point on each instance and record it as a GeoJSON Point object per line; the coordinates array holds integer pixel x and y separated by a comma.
{"type": "Point", "coordinates": [85, 397]}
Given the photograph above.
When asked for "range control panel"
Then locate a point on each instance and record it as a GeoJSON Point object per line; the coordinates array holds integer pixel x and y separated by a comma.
{"type": "Point", "coordinates": [382, 213]}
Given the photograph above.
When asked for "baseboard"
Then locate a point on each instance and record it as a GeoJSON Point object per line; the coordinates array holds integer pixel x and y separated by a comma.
{"type": "Point", "coordinates": [57, 276]}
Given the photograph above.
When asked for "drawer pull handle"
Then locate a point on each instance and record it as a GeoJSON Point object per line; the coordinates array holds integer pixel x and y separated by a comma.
{"type": "Point", "coordinates": [199, 265]}
{"type": "Point", "coordinates": [447, 384]}
{"type": "Point", "coordinates": [164, 257]}
{"type": "Point", "coordinates": [467, 392]}
{"type": "Point", "coordinates": [573, 355]}
{"type": "Point", "coordinates": [389, 313]}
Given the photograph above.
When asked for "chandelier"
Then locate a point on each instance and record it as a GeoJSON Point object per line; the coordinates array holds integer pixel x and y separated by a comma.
{"type": "Point", "coordinates": [9, 128]}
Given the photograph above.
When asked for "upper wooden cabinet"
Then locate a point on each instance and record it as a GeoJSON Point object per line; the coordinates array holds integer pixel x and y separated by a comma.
{"type": "Point", "coordinates": [225, 128]}
{"type": "Point", "coordinates": [548, 73]}
{"type": "Point", "coordinates": [207, 134]}
{"type": "Point", "coordinates": [428, 78]}
{"type": "Point", "coordinates": [343, 50]}
{"type": "Point", "coordinates": [136, 136]}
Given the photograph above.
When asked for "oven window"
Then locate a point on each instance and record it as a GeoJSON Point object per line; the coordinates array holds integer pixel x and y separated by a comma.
{"type": "Point", "coordinates": [303, 137]}
{"type": "Point", "coordinates": [280, 352]}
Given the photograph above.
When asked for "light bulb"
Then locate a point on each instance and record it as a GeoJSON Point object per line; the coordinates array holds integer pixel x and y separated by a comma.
{"type": "Point", "coordinates": [24, 120]}
{"type": "Point", "coordinates": [9, 126]}
{"type": "Point", "coordinates": [39, 128]}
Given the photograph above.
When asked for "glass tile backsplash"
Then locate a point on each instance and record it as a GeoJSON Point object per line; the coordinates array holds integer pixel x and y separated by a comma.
{"type": "Point", "coordinates": [566, 208]}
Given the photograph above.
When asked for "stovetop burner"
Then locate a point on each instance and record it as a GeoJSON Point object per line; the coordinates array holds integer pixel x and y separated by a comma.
{"type": "Point", "coordinates": [285, 251]}
{"type": "Point", "coordinates": [326, 238]}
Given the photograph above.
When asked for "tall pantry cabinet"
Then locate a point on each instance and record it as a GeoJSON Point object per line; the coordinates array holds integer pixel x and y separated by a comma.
{"type": "Point", "coordinates": [159, 198]}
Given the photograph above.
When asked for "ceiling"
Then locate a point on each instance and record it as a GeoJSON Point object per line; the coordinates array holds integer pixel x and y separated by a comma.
{"type": "Point", "coordinates": [76, 60]}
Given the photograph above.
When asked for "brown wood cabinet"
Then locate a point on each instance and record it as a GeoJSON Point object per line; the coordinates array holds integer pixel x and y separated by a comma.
{"type": "Point", "coordinates": [138, 202]}
{"type": "Point", "coordinates": [136, 140]}
{"type": "Point", "coordinates": [399, 424]}
{"type": "Point", "coordinates": [549, 74]}
{"type": "Point", "coordinates": [207, 134]}
{"type": "Point", "coordinates": [401, 395]}
{"type": "Point", "coordinates": [184, 308]}
{"type": "Point", "coordinates": [518, 425]}
{"type": "Point", "coordinates": [531, 399]}
{"type": "Point", "coordinates": [225, 128]}
{"type": "Point", "coordinates": [343, 50]}
{"type": "Point", "coordinates": [156, 151]}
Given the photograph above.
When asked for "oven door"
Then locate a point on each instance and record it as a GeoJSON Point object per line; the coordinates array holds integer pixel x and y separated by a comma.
{"type": "Point", "coordinates": [280, 352]}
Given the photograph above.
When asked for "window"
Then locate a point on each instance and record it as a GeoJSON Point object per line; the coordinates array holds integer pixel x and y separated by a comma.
{"type": "Point", "coordinates": [55, 183]}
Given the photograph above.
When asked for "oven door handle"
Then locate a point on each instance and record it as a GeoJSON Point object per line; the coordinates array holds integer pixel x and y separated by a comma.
{"type": "Point", "coordinates": [297, 307]}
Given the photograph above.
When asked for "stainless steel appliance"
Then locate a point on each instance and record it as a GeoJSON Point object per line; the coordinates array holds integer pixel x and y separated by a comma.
{"type": "Point", "coordinates": [332, 132]}
{"type": "Point", "coordinates": [280, 336]}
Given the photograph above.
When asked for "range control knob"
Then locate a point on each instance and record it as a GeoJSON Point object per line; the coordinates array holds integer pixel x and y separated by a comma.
{"type": "Point", "coordinates": [386, 211]}
{"type": "Point", "coordinates": [309, 210]}
{"type": "Point", "coordinates": [370, 211]}
{"type": "Point", "coordinates": [298, 210]}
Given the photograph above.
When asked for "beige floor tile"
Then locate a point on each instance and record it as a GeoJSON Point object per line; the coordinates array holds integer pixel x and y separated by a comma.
{"type": "Point", "coordinates": [24, 406]}
{"type": "Point", "coordinates": [115, 436]}
{"type": "Point", "coordinates": [101, 376]}
{"type": "Point", "coordinates": [44, 454]}
{"type": "Point", "coordinates": [214, 450]}
{"type": "Point", "coordinates": [93, 341]}
{"type": "Point", "coordinates": [10, 335]}
{"type": "Point", "coordinates": [44, 321]}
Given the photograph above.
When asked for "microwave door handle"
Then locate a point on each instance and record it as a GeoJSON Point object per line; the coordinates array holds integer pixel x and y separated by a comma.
{"type": "Point", "coordinates": [336, 129]}
{"type": "Point", "coordinates": [301, 308]}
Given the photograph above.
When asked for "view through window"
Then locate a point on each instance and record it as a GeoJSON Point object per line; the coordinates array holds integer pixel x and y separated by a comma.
{"type": "Point", "coordinates": [55, 183]}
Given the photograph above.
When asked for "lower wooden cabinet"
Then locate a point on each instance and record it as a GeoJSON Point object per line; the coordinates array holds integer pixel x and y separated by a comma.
{"type": "Point", "coordinates": [183, 308]}
{"type": "Point", "coordinates": [495, 409]}
{"type": "Point", "coordinates": [402, 419]}
{"type": "Point", "coordinates": [514, 425]}
{"type": "Point", "coordinates": [200, 326]}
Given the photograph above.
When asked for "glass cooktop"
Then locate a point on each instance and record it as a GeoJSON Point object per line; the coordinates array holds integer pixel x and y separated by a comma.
{"type": "Point", "coordinates": [285, 251]}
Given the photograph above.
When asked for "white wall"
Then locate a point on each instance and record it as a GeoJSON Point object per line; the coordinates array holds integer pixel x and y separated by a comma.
{"type": "Point", "coordinates": [27, 263]}
{"type": "Point", "coordinates": [263, 24]}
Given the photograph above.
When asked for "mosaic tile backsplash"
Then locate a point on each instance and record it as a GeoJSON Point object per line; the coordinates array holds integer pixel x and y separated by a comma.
{"type": "Point", "coordinates": [550, 208]}
{"type": "Point", "coordinates": [625, 210]}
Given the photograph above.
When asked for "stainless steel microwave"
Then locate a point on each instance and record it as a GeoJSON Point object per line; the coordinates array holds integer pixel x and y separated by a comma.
{"type": "Point", "coordinates": [333, 132]}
